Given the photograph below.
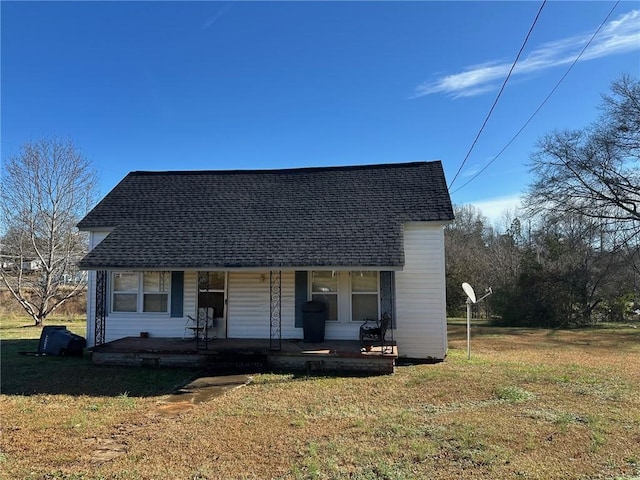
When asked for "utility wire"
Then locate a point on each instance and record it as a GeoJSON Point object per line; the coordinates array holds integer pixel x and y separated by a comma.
{"type": "Point", "coordinates": [542, 104]}
{"type": "Point", "coordinates": [504, 84]}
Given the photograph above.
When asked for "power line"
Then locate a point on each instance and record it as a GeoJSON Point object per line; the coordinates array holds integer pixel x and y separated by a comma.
{"type": "Point", "coordinates": [504, 84]}
{"type": "Point", "coordinates": [541, 105]}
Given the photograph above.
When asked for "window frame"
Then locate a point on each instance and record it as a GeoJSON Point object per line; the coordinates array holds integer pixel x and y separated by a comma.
{"type": "Point", "coordinates": [140, 293]}
{"type": "Point", "coordinates": [115, 292]}
{"type": "Point", "coordinates": [336, 293]}
{"type": "Point", "coordinates": [344, 294]}
{"type": "Point", "coordinates": [371, 293]}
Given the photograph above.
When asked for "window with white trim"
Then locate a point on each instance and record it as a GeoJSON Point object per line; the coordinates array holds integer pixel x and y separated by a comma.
{"type": "Point", "coordinates": [365, 299]}
{"type": "Point", "coordinates": [324, 288]}
{"type": "Point", "coordinates": [349, 296]}
{"type": "Point", "coordinates": [140, 292]}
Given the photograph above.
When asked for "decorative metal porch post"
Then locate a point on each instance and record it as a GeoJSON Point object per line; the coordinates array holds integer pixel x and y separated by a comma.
{"type": "Point", "coordinates": [387, 297]}
{"type": "Point", "coordinates": [275, 310]}
{"type": "Point", "coordinates": [101, 306]}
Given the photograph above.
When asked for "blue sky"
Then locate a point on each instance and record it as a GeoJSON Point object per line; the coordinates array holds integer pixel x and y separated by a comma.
{"type": "Point", "coordinates": [244, 85]}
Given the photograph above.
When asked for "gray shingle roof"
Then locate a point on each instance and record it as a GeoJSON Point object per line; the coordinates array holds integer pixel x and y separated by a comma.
{"type": "Point", "coordinates": [335, 216]}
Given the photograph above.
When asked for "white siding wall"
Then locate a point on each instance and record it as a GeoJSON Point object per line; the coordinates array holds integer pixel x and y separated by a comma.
{"type": "Point", "coordinates": [248, 305]}
{"type": "Point", "coordinates": [420, 294]}
{"type": "Point", "coordinates": [91, 308]}
{"type": "Point", "coordinates": [346, 330]}
{"type": "Point", "coordinates": [158, 325]}
{"type": "Point", "coordinates": [289, 329]}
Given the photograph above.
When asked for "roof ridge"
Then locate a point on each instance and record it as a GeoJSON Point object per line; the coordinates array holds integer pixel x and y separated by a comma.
{"type": "Point", "coordinates": [374, 166]}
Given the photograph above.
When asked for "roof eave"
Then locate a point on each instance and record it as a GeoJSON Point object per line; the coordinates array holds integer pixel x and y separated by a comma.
{"type": "Point", "coordinates": [253, 268]}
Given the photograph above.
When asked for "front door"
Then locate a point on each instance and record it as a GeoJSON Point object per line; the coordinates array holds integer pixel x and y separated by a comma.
{"type": "Point", "coordinates": [212, 293]}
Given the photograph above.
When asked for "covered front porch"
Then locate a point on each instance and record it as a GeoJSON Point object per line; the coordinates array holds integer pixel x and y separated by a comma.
{"type": "Point", "coordinates": [337, 356]}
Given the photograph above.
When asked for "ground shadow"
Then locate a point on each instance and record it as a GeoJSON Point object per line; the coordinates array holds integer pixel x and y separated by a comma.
{"type": "Point", "coordinates": [32, 375]}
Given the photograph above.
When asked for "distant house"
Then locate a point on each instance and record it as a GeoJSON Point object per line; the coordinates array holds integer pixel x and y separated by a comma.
{"type": "Point", "coordinates": [31, 265]}
{"type": "Point", "coordinates": [7, 264]}
{"type": "Point", "coordinates": [362, 239]}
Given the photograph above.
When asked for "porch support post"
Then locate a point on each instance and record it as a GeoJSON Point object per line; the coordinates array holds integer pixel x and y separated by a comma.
{"type": "Point", "coordinates": [101, 306]}
{"type": "Point", "coordinates": [388, 298]}
{"type": "Point", "coordinates": [275, 310]}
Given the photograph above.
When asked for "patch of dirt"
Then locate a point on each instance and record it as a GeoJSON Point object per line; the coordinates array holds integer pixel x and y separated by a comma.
{"type": "Point", "coordinates": [107, 449]}
{"type": "Point", "coordinates": [172, 409]}
{"type": "Point", "coordinates": [198, 391]}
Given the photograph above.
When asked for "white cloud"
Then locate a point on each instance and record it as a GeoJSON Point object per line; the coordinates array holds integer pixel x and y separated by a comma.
{"type": "Point", "coordinates": [471, 171]}
{"type": "Point", "coordinates": [618, 36]}
{"type": "Point", "coordinates": [495, 208]}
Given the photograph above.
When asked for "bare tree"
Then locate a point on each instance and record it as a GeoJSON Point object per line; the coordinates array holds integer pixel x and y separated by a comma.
{"type": "Point", "coordinates": [466, 256]}
{"type": "Point", "coordinates": [594, 172]}
{"type": "Point", "coordinates": [46, 190]}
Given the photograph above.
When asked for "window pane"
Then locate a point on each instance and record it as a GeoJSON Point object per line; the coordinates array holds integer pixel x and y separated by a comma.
{"type": "Point", "coordinates": [216, 280]}
{"type": "Point", "coordinates": [155, 302]}
{"type": "Point", "coordinates": [155, 281]}
{"type": "Point", "coordinates": [332, 305]}
{"type": "Point", "coordinates": [211, 281]}
{"type": "Point", "coordinates": [123, 281]}
{"type": "Point", "coordinates": [364, 281]}
{"type": "Point", "coordinates": [125, 302]}
{"type": "Point", "coordinates": [364, 307]}
{"type": "Point", "coordinates": [324, 282]}
{"type": "Point", "coordinates": [212, 299]}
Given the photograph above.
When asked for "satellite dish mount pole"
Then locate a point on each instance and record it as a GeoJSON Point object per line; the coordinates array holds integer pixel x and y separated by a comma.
{"type": "Point", "coordinates": [471, 299]}
{"type": "Point", "coordinates": [469, 303]}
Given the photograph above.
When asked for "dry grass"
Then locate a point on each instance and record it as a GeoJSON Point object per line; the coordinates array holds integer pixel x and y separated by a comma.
{"type": "Point", "coordinates": [10, 309]}
{"type": "Point", "coordinates": [531, 404]}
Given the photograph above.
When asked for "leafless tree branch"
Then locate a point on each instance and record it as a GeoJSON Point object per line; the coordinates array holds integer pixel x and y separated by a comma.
{"type": "Point", "coordinates": [46, 189]}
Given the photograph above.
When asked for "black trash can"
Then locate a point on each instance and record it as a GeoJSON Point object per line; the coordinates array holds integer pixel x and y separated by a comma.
{"type": "Point", "coordinates": [46, 336]}
{"type": "Point", "coordinates": [314, 315]}
{"type": "Point", "coordinates": [56, 340]}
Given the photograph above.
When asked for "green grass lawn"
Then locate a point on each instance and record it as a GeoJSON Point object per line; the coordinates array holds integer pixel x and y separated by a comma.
{"type": "Point", "coordinates": [530, 404]}
{"type": "Point", "coordinates": [29, 375]}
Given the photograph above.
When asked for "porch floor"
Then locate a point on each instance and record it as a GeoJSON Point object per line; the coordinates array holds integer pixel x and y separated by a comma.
{"type": "Point", "coordinates": [296, 355]}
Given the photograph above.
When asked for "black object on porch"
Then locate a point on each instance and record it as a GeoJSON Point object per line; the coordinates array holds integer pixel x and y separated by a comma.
{"type": "Point", "coordinates": [314, 316]}
{"type": "Point", "coordinates": [201, 325]}
{"type": "Point", "coordinates": [374, 332]}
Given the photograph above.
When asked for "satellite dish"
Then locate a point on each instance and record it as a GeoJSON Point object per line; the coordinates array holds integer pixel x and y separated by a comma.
{"type": "Point", "coordinates": [468, 289]}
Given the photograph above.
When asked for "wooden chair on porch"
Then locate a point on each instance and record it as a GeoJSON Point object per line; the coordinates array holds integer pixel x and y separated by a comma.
{"type": "Point", "coordinates": [201, 327]}
{"type": "Point", "coordinates": [374, 332]}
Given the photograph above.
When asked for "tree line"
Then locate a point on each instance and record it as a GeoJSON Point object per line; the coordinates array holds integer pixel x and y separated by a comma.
{"type": "Point", "coordinates": [571, 254]}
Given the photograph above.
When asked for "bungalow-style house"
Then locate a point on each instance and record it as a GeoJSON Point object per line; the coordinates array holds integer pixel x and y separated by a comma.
{"type": "Point", "coordinates": [256, 245]}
